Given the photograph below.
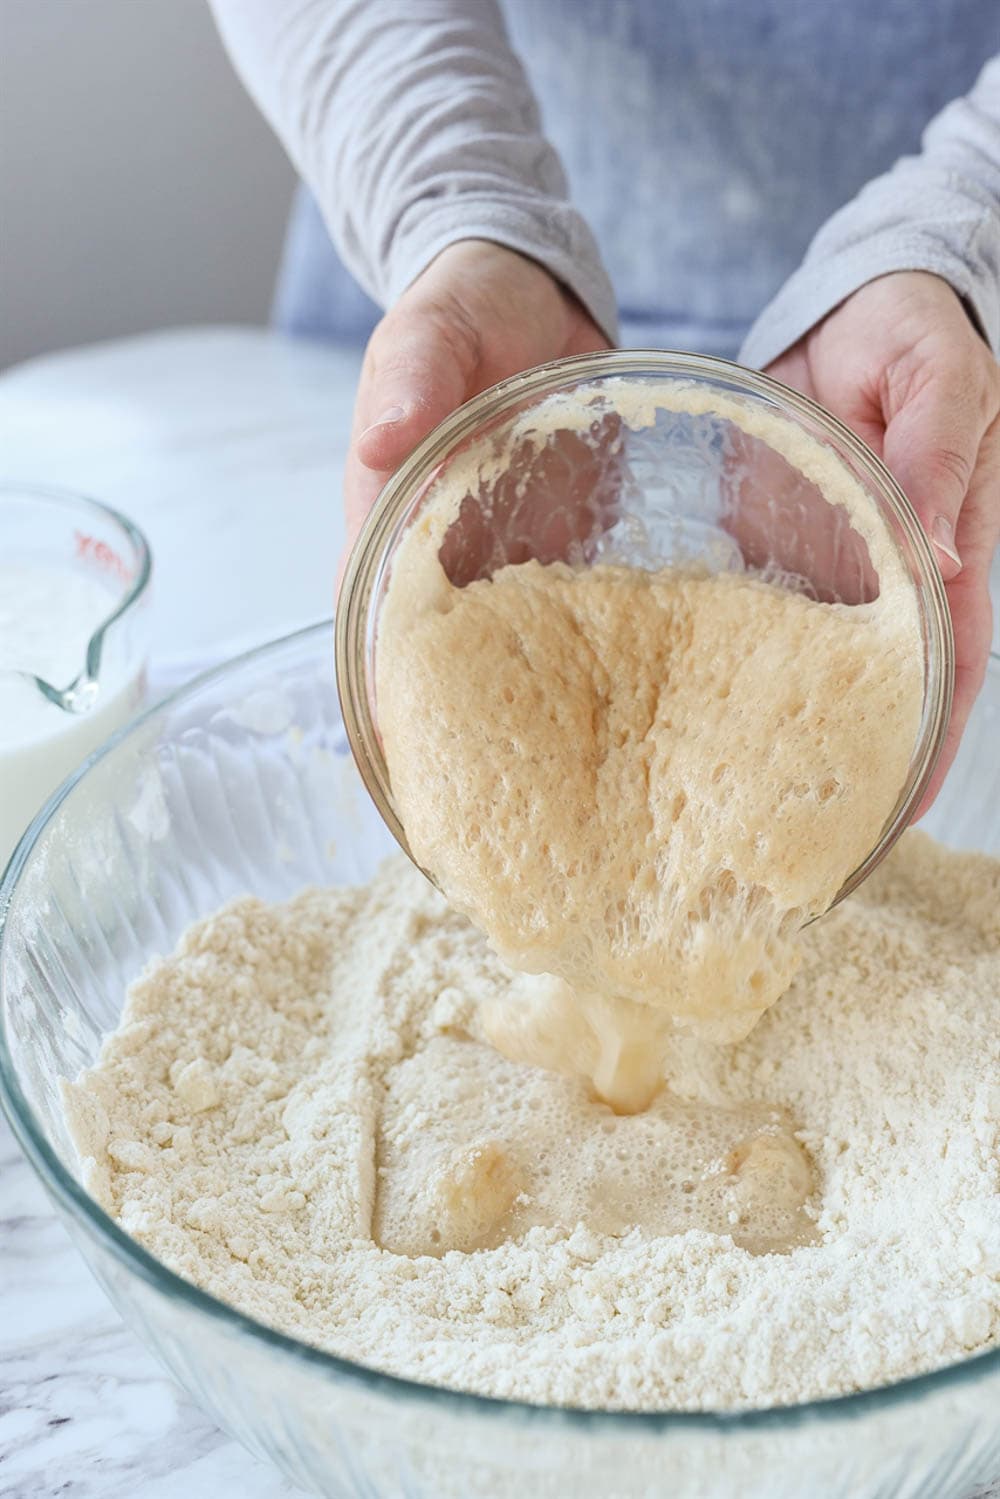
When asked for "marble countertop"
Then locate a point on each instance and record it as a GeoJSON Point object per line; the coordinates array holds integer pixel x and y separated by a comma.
{"type": "Point", "coordinates": [212, 440]}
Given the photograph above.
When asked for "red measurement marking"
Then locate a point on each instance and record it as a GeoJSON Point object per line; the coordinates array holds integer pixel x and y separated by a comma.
{"type": "Point", "coordinates": [95, 550]}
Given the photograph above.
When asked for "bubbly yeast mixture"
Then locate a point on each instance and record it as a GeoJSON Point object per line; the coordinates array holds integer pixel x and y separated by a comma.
{"type": "Point", "coordinates": [641, 784]}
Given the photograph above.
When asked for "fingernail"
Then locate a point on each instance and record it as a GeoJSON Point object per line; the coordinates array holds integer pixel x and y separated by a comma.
{"type": "Point", "coordinates": [387, 419]}
{"type": "Point", "coordinates": [943, 536]}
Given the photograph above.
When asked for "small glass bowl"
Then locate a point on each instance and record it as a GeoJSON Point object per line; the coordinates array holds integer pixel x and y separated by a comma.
{"type": "Point", "coordinates": [554, 464]}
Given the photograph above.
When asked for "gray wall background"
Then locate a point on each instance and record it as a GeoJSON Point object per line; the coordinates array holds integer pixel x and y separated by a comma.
{"type": "Point", "coordinates": [139, 188]}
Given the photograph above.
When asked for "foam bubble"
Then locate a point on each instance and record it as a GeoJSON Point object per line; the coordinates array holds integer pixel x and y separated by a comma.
{"type": "Point", "coordinates": [567, 1159]}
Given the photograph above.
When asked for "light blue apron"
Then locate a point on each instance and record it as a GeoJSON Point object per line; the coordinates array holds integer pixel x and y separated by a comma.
{"type": "Point", "coordinates": [705, 142]}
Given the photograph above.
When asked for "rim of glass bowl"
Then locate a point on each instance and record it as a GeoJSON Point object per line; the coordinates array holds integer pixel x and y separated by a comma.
{"type": "Point", "coordinates": [385, 523]}
{"type": "Point", "coordinates": [90, 655]}
{"type": "Point", "coordinates": [107, 1234]}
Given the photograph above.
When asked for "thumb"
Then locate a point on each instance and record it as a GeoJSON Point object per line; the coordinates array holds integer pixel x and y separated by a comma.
{"type": "Point", "coordinates": [419, 370]}
{"type": "Point", "coordinates": [931, 446]}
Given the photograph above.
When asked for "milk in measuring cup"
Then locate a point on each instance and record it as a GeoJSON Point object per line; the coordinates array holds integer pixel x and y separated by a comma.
{"type": "Point", "coordinates": [48, 615]}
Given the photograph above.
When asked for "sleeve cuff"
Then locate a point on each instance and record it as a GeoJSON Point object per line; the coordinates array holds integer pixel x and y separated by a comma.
{"type": "Point", "coordinates": [553, 234]}
{"type": "Point", "coordinates": [814, 291]}
{"type": "Point", "coordinates": [945, 227]}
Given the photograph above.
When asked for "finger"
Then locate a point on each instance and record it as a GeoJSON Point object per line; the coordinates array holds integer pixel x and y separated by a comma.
{"type": "Point", "coordinates": [969, 599]}
{"type": "Point", "coordinates": [792, 369]}
{"type": "Point", "coordinates": [553, 502]}
{"type": "Point", "coordinates": [361, 489]}
{"type": "Point", "coordinates": [932, 445]}
{"type": "Point", "coordinates": [416, 371]}
{"type": "Point", "coordinates": [979, 524]}
{"type": "Point", "coordinates": [783, 524]}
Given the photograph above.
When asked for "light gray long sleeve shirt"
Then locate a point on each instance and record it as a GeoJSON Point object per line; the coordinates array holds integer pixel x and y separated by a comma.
{"type": "Point", "coordinates": [723, 174]}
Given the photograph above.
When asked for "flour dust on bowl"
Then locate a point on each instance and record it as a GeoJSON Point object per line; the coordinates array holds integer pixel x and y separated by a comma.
{"type": "Point", "coordinates": [244, 782]}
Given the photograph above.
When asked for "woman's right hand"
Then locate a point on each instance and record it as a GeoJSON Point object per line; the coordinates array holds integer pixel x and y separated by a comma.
{"type": "Point", "coordinates": [477, 314]}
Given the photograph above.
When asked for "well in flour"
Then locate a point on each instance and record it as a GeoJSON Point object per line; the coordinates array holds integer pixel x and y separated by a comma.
{"type": "Point", "coordinates": [243, 1124]}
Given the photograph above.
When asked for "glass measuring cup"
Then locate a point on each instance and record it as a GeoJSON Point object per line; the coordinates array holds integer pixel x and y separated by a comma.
{"type": "Point", "coordinates": [74, 580]}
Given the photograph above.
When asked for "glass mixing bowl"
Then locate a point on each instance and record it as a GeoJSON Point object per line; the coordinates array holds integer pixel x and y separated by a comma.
{"type": "Point", "coordinates": [649, 459]}
{"type": "Point", "coordinates": [244, 782]}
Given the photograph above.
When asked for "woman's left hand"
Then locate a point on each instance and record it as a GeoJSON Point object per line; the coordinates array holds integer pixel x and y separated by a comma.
{"type": "Point", "coordinates": [902, 365]}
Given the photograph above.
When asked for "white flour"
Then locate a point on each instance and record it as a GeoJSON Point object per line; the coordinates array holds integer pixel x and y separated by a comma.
{"type": "Point", "coordinates": [249, 1124]}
